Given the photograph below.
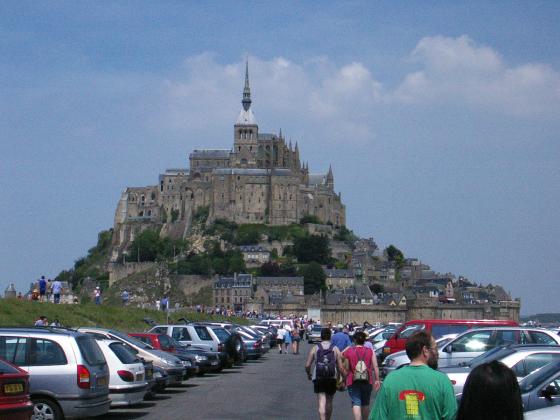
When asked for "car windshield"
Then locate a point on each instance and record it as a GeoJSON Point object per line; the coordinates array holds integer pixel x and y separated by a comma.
{"type": "Point", "coordinates": [497, 353]}
{"type": "Point", "coordinates": [123, 353]}
{"type": "Point", "coordinates": [131, 340]}
{"type": "Point", "coordinates": [221, 333]}
{"type": "Point", "coordinates": [317, 328]}
{"type": "Point", "coordinates": [537, 377]}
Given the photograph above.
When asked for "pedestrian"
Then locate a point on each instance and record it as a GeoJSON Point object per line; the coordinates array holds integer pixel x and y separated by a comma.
{"type": "Point", "coordinates": [42, 288]}
{"type": "Point", "coordinates": [35, 295]}
{"type": "Point", "coordinates": [362, 375]}
{"type": "Point", "coordinates": [164, 303]}
{"type": "Point", "coordinates": [491, 392]}
{"type": "Point", "coordinates": [280, 338]}
{"type": "Point", "coordinates": [287, 337]}
{"type": "Point", "coordinates": [323, 362]}
{"type": "Point", "coordinates": [97, 295]}
{"type": "Point", "coordinates": [42, 321]}
{"type": "Point", "coordinates": [125, 297]}
{"type": "Point", "coordinates": [55, 323]}
{"type": "Point", "coordinates": [49, 289]}
{"type": "Point", "coordinates": [296, 338]}
{"type": "Point", "coordinates": [418, 390]}
{"type": "Point", "coordinates": [56, 290]}
{"type": "Point", "coordinates": [341, 339]}
{"type": "Point", "coordinates": [20, 296]}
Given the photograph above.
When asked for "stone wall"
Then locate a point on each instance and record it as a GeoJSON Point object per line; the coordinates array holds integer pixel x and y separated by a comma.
{"type": "Point", "coordinates": [418, 310]}
{"type": "Point", "coordinates": [120, 271]}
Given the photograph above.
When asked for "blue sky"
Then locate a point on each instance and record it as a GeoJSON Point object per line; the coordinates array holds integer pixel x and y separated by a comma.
{"type": "Point", "coordinates": [441, 120]}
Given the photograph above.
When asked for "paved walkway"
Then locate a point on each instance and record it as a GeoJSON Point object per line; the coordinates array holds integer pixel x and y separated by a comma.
{"type": "Point", "coordinates": [274, 387]}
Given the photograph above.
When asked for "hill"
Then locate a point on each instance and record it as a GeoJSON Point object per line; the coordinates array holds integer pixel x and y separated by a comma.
{"type": "Point", "coordinates": [15, 312]}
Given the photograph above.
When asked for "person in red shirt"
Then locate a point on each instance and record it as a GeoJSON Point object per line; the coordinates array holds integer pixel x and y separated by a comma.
{"type": "Point", "coordinates": [362, 375]}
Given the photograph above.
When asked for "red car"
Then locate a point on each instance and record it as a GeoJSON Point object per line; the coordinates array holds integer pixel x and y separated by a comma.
{"type": "Point", "coordinates": [14, 393]}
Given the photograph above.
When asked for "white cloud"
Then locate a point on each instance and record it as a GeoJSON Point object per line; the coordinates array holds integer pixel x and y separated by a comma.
{"type": "Point", "coordinates": [457, 70]}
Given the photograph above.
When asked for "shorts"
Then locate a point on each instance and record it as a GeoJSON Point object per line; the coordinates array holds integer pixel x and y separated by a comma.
{"type": "Point", "coordinates": [42, 292]}
{"type": "Point", "coordinates": [327, 386]}
{"type": "Point", "coordinates": [360, 393]}
{"type": "Point", "coordinates": [279, 340]}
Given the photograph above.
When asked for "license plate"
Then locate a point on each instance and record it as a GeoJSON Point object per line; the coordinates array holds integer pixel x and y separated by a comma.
{"type": "Point", "coordinates": [13, 388]}
{"type": "Point", "coordinates": [213, 362]}
{"type": "Point", "coordinates": [102, 381]}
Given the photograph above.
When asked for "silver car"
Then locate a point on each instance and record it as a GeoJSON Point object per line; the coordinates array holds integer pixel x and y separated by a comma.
{"type": "Point", "coordinates": [473, 343]}
{"type": "Point", "coordinates": [68, 374]}
{"type": "Point", "coordinates": [523, 359]}
{"type": "Point", "coordinates": [127, 382]}
{"type": "Point", "coordinates": [174, 367]}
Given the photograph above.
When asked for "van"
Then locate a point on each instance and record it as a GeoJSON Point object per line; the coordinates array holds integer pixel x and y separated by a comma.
{"type": "Point", "coordinates": [438, 328]}
{"type": "Point", "coordinates": [277, 322]}
{"type": "Point", "coordinates": [68, 374]}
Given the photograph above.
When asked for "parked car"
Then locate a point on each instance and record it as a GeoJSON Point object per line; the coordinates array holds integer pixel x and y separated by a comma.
{"type": "Point", "coordinates": [15, 403]}
{"type": "Point", "coordinates": [202, 361]}
{"type": "Point", "coordinates": [127, 381]}
{"type": "Point", "coordinates": [314, 334]}
{"type": "Point", "coordinates": [206, 337]}
{"type": "Point", "coordinates": [68, 374]}
{"type": "Point", "coordinates": [541, 388]}
{"type": "Point", "coordinates": [438, 328]}
{"type": "Point", "coordinates": [523, 359]}
{"type": "Point", "coordinates": [270, 331]}
{"type": "Point", "coordinates": [252, 344]}
{"type": "Point", "coordinates": [473, 343]}
{"type": "Point", "coordinates": [399, 359]}
{"type": "Point", "coordinates": [173, 366]}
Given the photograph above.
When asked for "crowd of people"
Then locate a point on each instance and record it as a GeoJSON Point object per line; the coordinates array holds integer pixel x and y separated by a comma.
{"type": "Point", "coordinates": [417, 391]}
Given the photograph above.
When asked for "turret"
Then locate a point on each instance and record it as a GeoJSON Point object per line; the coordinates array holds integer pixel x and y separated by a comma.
{"type": "Point", "coordinates": [330, 178]}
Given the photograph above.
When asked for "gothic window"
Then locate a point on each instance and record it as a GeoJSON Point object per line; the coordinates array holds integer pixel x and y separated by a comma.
{"type": "Point", "coordinates": [153, 196]}
{"type": "Point", "coordinates": [149, 212]}
{"type": "Point", "coordinates": [160, 187]}
{"type": "Point", "coordinates": [141, 214]}
{"type": "Point", "coordinates": [251, 147]}
{"type": "Point", "coordinates": [239, 148]}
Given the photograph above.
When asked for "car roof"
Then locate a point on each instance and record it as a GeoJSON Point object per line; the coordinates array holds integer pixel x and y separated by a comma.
{"type": "Point", "coordinates": [42, 330]}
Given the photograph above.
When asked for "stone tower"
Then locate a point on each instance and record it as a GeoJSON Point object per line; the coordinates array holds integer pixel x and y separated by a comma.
{"type": "Point", "coordinates": [246, 131]}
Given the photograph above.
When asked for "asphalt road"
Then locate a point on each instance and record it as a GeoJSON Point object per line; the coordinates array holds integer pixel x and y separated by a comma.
{"type": "Point", "coordinates": [273, 387]}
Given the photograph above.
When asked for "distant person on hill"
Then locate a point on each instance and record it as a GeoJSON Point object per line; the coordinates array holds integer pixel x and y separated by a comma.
{"type": "Point", "coordinates": [97, 295]}
{"type": "Point", "coordinates": [125, 297]}
{"type": "Point", "coordinates": [49, 289]}
{"type": "Point", "coordinates": [164, 304]}
{"type": "Point", "coordinates": [35, 294]}
{"type": "Point", "coordinates": [42, 321]}
{"type": "Point", "coordinates": [56, 290]}
{"type": "Point", "coordinates": [42, 288]}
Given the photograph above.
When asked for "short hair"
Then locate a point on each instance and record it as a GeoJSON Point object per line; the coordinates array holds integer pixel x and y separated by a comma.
{"type": "Point", "coordinates": [326, 334]}
{"type": "Point", "coordinates": [491, 392]}
{"type": "Point", "coordinates": [416, 343]}
{"type": "Point", "coordinates": [360, 337]}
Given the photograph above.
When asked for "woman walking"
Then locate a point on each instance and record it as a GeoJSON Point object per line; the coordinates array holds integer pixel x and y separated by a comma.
{"type": "Point", "coordinates": [361, 376]}
{"type": "Point", "coordinates": [287, 337]}
{"type": "Point", "coordinates": [296, 338]}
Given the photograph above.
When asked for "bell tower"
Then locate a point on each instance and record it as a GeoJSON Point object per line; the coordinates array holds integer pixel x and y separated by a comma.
{"type": "Point", "coordinates": [246, 130]}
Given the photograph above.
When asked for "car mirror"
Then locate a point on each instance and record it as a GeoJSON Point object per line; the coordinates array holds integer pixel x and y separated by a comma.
{"type": "Point", "coordinates": [548, 392]}
{"type": "Point", "coordinates": [448, 349]}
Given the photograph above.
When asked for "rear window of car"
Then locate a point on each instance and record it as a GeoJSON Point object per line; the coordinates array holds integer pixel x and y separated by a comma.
{"type": "Point", "coordinates": [14, 349]}
{"type": "Point", "coordinates": [181, 334]}
{"type": "Point", "coordinates": [90, 350]}
{"type": "Point", "coordinates": [203, 333]}
{"type": "Point", "coordinates": [164, 341]}
{"type": "Point", "coordinates": [6, 368]}
{"type": "Point", "coordinates": [123, 353]}
{"type": "Point", "coordinates": [541, 338]}
{"type": "Point", "coordinates": [221, 334]}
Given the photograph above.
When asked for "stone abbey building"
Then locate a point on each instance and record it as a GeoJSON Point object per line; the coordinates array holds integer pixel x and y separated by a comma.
{"type": "Point", "coordinates": [260, 180]}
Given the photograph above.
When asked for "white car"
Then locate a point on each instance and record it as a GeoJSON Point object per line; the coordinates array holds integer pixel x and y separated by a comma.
{"type": "Point", "coordinates": [127, 381]}
{"type": "Point", "coordinates": [399, 359]}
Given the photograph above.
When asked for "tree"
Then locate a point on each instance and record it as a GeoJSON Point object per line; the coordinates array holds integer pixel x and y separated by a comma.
{"type": "Point", "coordinates": [312, 248]}
{"type": "Point", "coordinates": [395, 255]}
{"type": "Point", "coordinates": [270, 269]}
{"type": "Point", "coordinates": [313, 278]}
{"type": "Point", "coordinates": [146, 246]}
{"type": "Point", "coordinates": [377, 288]}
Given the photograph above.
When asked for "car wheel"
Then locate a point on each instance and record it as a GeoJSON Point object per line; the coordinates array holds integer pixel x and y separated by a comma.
{"type": "Point", "coordinates": [46, 409]}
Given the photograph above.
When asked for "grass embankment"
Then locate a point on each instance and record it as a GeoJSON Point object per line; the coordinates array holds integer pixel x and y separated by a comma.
{"type": "Point", "coordinates": [15, 312]}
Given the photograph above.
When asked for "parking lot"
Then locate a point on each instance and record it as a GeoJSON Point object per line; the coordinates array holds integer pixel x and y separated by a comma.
{"type": "Point", "coordinates": [275, 386]}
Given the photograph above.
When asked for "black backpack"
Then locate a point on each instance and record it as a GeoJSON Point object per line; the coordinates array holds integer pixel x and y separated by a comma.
{"type": "Point", "coordinates": [326, 362]}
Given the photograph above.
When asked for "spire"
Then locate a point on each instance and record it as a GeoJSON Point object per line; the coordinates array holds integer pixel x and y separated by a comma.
{"type": "Point", "coordinates": [246, 90]}
{"type": "Point", "coordinates": [280, 133]}
{"type": "Point", "coordinates": [330, 178]}
{"type": "Point", "coordinates": [297, 149]}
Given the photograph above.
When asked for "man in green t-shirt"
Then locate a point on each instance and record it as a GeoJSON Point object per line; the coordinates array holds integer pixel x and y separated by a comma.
{"type": "Point", "coordinates": [417, 391]}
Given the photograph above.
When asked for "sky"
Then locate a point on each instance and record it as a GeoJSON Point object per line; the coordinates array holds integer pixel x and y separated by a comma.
{"type": "Point", "coordinates": [441, 121]}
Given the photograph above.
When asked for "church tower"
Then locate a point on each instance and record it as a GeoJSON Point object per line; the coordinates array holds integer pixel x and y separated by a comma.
{"type": "Point", "coordinates": [246, 130]}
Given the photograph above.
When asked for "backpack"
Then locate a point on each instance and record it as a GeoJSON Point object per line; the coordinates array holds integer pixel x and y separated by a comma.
{"type": "Point", "coordinates": [326, 362]}
{"type": "Point", "coordinates": [361, 371]}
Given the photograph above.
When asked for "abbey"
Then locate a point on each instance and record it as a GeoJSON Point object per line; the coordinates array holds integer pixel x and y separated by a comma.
{"type": "Point", "coordinates": [260, 180]}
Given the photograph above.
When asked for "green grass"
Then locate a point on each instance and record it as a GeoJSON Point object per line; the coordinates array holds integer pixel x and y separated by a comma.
{"type": "Point", "coordinates": [15, 312]}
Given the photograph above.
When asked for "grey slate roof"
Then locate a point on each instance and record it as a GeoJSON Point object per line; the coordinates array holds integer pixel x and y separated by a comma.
{"type": "Point", "coordinates": [336, 272]}
{"type": "Point", "coordinates": [298, 280]}
{"type": "Point", "coordinates": [253, 171]}
{"type": "Point", "coordinates": [317, 179]}
{"type": "Point", "coordinates": [210, 153]}
{"type": "Point", "coordinates": [267, 136]}
{"type": "Point", "coordinates": [252, 248]}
